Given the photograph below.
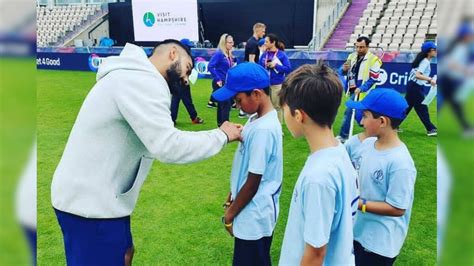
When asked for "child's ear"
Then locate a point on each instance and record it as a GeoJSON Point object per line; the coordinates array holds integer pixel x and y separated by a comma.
{"type": "Point", "coordinates": [258, 93]}
{"type": "Point", "coordinates": [299, 116]}
{"type": "Point", "coordinates": [385, 121]}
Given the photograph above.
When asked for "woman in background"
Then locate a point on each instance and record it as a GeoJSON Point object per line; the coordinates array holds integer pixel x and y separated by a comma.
{"type": "Point", "coordinates": [275, 60]}
{"type": "Point", "coordinates": [219, 65]}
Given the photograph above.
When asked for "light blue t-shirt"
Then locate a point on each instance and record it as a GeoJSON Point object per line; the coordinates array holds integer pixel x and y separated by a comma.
{"type": "Point", "coordinates": [424, 68]}
{"type": "Point", "coordinates": [352, 146]}
{"type": "Point", "coordinates": [387, 176]}
{"type": "Point", "coordinates": [261, 152]}
{"type": "Point", "coordinates": [322, 208]}
{"type": "Point", "coordinates": [460, 56]}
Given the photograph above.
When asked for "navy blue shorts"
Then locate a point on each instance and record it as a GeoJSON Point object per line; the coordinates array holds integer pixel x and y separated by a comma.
{"type": "Point", "coordinates": [95, 241]}
{"type": "Point", "coordinates": [252, 252]}
{"type": "Point", "coordinates": [31, 236]}
{"type": "Point", "coordinates": [364, 257]}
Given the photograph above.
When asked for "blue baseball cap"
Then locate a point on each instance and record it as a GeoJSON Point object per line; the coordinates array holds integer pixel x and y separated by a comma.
{"type": "Point", "coordinates": [187, 42]}
{"type": "Point", "coordinates": [464, 30]}
{"type": "Point", "coordinates": [241, 78]}
{"type": "Point", "coordinates": [387, 102]}
{"type": "Point", "coordinates": [427, 46]}
{"type": "Point", "coordinates": [261, 42]}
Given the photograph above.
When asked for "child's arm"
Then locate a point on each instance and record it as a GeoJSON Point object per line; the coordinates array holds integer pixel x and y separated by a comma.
{"type": "Point", "coordinates": [313, 256]}
{"type": "Point", "coordinates": [245, 195]}
{"type": "Point", "coordinates": [400, 191]}
{"type": "Point", "coordinates": [228, 201]}
{"type": "Point", "coordinates": [381, 208]}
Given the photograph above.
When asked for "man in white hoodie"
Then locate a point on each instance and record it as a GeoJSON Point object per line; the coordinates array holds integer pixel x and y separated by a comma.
{"type": "Point", "coordinates": [123, 124]}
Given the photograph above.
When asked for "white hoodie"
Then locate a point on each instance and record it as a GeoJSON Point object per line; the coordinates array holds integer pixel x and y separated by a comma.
{"type": "Point", "coordinates": [124, 123]}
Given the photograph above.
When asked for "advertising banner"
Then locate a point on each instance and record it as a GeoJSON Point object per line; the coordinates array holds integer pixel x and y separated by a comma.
{"type": "Point", "coordinates": [159, 20]}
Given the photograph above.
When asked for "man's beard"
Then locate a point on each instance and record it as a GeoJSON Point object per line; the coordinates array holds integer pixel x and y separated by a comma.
{"type": "Point", "coordinates": [174, 79]}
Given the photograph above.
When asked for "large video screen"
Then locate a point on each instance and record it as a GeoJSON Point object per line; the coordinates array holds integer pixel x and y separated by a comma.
{"type": "Point", "coordinates": [158, 20]}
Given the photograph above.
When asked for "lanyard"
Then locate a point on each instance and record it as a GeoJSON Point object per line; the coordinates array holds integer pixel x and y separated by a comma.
{"type": "Point", "coordinates": [266, 56]}
{"type": "Point", "coordinates": [230, 61]}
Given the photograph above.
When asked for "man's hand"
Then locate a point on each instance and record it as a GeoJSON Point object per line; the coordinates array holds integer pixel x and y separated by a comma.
{"type": "Point", "coordinates": [345, 67]}
{"type": "Point", "coordinates": [433, 82]}
{"type": "Point", "coordinates": [357, 91]}
{"type": "Point", "coordinates": [219, 83]}
{"type": "Point", "coordinates": [233, 131]}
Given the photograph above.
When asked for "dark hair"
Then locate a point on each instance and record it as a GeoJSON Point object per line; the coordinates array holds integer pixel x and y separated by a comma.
{"type": "Point", "coordinates": [394, 122]}
{"type": "Point", "coordinates": [173, 41]}
{"type": "Point", "coordinates": [266, 90]}
{"type": "Point", "coordinates": [365, 39]}
{"type": "Point", "coordinates": [315, 89]}
{"type": "Point", "coordinates": [274, 39]}
{"type": "Point", "coordinates": [419, 57]}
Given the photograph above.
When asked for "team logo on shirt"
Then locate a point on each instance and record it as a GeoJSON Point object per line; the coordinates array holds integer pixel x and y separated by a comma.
{"type": "Point", "coordinates": [377, 176]}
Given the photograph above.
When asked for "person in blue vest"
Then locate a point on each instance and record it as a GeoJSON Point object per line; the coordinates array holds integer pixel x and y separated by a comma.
{"type": "Point", "coordinates": [219, 65]}
{"type": "Point", "coordinates": [183, 93]}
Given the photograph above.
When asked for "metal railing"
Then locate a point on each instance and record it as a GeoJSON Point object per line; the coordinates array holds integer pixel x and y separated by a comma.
{"type": "Point", "coordinates": [84, 24]}
{"type": "Point", "coordinates": [324, 32]}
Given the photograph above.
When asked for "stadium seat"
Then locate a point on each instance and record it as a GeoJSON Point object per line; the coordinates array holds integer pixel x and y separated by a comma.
{"type": "Point", "coordinates": [408, 39]}
{"type": "Point", "coordinates": [387, 38]}
{"type": "Point", "coordinates": [393, 46]}
{"type": "Point", "coordinates": [377, 38]}
{"type": "Point", "coordinates": [384, 46]}
{"type": "Point", "coordinates": [412, 29]}
{"type": "Point", "coordinates": [405, 47]}
{"type": "Point", "coordinates": [397, 38]}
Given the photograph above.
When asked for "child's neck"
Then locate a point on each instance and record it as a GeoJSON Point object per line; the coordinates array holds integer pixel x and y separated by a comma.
{"type": "Point", "coordinates": [318, 137]}
{"type": "Point", "coordinates": [265, 107]}
{"type": "Point", "coordinates": [362, 136]}
{"type": "Point", "coordinates": [387, 139]}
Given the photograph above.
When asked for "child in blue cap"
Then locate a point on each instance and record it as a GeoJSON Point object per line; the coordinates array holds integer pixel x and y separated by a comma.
{"type": "Point", "coordinates": [320, 222]}
{"type": "Point", "coordinates": [387, 176]}
{"type": "Point", "coordinates": [418, 79]}
{"type": "Point", "coordinates": [253, 203]}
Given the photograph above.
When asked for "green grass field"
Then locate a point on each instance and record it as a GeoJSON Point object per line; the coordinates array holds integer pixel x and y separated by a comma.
{"type": "Point", "coordinates": [177, 218]}
{"type": "Point", "coordinates": [17, 130]}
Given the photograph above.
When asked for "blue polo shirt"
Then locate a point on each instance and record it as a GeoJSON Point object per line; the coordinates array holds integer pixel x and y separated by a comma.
{"type": "Point", "coordinates": [388, 176]}
{"type": "Point", "coordinates": [260, 152]}
{"type": "Point", "coordinates": [322, 208]}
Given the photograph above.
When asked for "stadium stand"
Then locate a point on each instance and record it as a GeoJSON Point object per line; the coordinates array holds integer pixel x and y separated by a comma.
{"type": "Point", "coordinates": [55, 22]}
{"type": "Point", "coordinates": [397, 25]}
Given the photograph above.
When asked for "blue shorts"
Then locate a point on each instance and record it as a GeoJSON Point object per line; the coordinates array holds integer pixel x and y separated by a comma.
{"type": "Point", "coordinates": [31, 236]}
{"type": "Point", "coordinates": [95, 241]}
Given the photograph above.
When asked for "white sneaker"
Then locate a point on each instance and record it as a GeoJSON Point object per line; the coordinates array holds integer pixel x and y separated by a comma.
{"type": "Point", "coordinates": [432, 133]}
{"type": "Point", "coordinates": [468, 133]}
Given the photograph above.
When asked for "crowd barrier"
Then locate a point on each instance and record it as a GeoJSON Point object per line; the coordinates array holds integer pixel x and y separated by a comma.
{"type": "Point", "coordinates": [394, 73]}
